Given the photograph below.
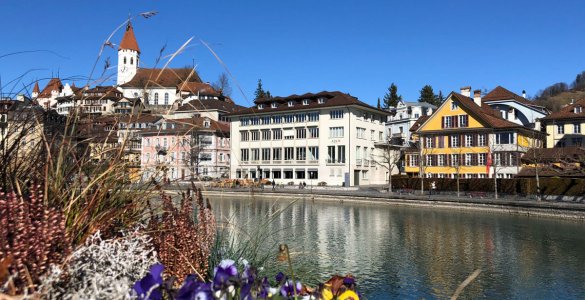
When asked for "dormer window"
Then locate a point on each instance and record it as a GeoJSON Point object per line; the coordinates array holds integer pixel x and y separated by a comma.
{"type": "Point", "coordinates": [454, 106]}
{"type": "Point", "coordinates": [273, 105]}
{"type": "Point", "coordinates": [206, 123]}
{"type": "Point", "coordinates": [260, 106]}
{"type": "Point", "coordinates": [321, 100]}
{"type": "Point", "coordinates": [305, 101]}
{"type": "Point", "coordinates": [578, 109]}
{"type": "Point", "coordinates": [291, 103]}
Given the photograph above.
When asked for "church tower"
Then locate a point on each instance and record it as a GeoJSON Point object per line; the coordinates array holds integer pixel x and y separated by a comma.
{"type": "Point", "coordinates": [128, 56]}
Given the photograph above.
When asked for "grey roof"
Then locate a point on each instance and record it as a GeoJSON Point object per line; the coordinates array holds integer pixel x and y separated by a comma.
{"type": "Point", "coordinates": [421, 104]}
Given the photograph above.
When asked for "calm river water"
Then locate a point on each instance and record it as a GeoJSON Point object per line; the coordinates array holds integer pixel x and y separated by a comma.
{"type": "Point", "coordinates": [403, 252]}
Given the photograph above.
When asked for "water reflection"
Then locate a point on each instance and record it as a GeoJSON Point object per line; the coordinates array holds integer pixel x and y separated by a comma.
{"type": "Point", "coordinates": [422, 252]}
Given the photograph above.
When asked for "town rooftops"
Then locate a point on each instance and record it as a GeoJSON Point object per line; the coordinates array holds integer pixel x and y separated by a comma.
{"type": "Point", "coordinates": [209, 104]}
{"type": "Point", "coordinates": [36, 88]}
{"type": "Point", "coordinates": [190, 124]}
{"type": "Point", "coordinates": [129, 40]}
{"type": "Point", "coordinates": [53, 85]}
{"type": "Point", "coordinates": [418, 123]}
{"type": "Point", "coordinates": [199, 88]}
{"type": "Point", "coordinates": [571, 111]}
{"type": "Point", "coordinates": [305, 101]}
{"type": "Point", "coordinates": [489, 116]}
{"type": "Point", "coordinates": [170, 78]}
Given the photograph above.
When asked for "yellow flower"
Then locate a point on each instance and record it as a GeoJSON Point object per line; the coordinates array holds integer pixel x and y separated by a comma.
{"type": "Point", "coordinates": [327, 294]}
{"type": "Point", "coordinates": [349, 295]}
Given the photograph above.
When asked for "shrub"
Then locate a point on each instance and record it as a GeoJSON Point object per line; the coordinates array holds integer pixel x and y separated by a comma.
{"type": "Point", "coordinates": [32, 237]}
{"type": "Point", "coordinates": [322, 183]}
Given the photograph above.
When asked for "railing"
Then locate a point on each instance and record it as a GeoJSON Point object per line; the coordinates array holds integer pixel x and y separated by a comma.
{"type": "Point", "coordinates": [358, 162]}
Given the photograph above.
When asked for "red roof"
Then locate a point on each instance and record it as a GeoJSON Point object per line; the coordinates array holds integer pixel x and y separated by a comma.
{"type": "Point", "coordinates": [500, 93]}
{"type": "Point", "coordinates": [36, 88]}
{"type": "Point", "coordinates": [484, 113]}
{"type": "Point", "coordinates": [129, 40]}
{"type": "Point", "coordinates": [162, 77]}
{"type": "Point", "coordinates": [197, 88]}
{"type": "Point", "coordinates": [53, 85]}
{"type": "Point", "coordinates": [569, 112]}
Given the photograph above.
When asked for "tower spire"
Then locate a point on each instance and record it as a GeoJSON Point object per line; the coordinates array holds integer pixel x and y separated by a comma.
{"type": "Point", "coordinates": [129, 39]}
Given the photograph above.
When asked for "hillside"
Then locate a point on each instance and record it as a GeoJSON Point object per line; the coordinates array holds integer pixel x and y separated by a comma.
{"type": "Point", "coordinates": [555, 103]}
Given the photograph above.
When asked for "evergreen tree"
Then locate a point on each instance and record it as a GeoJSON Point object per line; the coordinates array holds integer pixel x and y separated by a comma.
{"type": "Point", "coordinates": [440, 98]}
{"type": "Point", "coordinates": [259, 93]}
{"type": "Point", "coordinates": [379, 103]}
{"type": "Point", "coordinates": [392, 98]}
{"type": "Point", "coordinates": [428, 95]}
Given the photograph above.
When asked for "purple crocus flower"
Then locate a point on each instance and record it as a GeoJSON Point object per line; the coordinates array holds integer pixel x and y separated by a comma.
{"type": "Point", "coordinates": [348, 281]}
{"type": "Point", "coordinates": [264, 289]}
{"type": "Point", "coordinates": [225, 275]}
{"type": "Point", "coordinates": [288, 288]}
{"type": "Point", "coordinates": [279, 277]}
{"type": "Point", "coordinates": [149, 283]}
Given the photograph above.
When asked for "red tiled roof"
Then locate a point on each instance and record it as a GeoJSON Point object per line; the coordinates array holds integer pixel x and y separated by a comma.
{"type": "Point", "coordinates": [484, 113]}
{"type": "Point", "coordinates": [568, 112]}
{"type": "Point", "coordinates": [36, 88]}
{"type": "Point", "coordinates": [199, 122]}
{"type": "Point", "coordinates": [53, 85]}
{"type": "Point", "coordinates": [330, 99]}
{"type": "Point", "coordinates": [162, 77]}
{"type": "Point", "coordinates": [197, 88]}
{"type": "Point", "coordinates": [209, 104]}
{"type": "Point", "coordinates": [500, 93]}
{"type": "Point", "coordinates": [129, 40]}
{"type": "Point", "coordinates": [418, 122]}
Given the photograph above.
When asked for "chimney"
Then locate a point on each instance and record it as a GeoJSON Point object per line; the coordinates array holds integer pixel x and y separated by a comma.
{"type": "Point", "coordinates": [523, 93]}
{"type": "Point", "coordinates": [477, 97]}
{"type": "Point", "coordinates": [466, 91]}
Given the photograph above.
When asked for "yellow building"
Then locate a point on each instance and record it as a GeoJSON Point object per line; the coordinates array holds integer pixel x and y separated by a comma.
{"type": "Point", "coordinates": [566, 127]}
{"type": "Point", "coordinates": [463, 137]}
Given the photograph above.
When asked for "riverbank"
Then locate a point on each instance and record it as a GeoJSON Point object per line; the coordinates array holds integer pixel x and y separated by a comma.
{"type": "Point", "coordinates": [530, 208]}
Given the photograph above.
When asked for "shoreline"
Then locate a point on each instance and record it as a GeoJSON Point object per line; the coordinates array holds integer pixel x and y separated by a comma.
{"type": "Point", "coordinates": [557, 210]}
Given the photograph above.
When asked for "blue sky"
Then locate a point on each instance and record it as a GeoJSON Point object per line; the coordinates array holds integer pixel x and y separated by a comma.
{"type": "Point", "coordinates": [358, 47]}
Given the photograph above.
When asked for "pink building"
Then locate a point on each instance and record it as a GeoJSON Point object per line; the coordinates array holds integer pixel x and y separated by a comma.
{"type": "Point", "coordinates": [183, 149]}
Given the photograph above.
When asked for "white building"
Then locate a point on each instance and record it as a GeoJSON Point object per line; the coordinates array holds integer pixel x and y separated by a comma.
{"type": "Point", "coordinates": [157, 87]}
{"type": "Point", "coordinates": [403, 116]}
{"type": "Point", "coordinates": [325, 137]}
{"type": "Point", "coordinates": [513, 107]}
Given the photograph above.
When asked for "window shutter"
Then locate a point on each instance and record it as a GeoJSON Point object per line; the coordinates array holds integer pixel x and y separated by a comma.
{"type": "Point", "coordinates": [442, 122]}
{"type": "Point", "coordinates": [474, 140]}
{"type": "Point", "coordinates": [455, 121]}
{"type": "Point", "coordinates": [441, 141]}
{"type": "Point", "coordinates": [449, 140]}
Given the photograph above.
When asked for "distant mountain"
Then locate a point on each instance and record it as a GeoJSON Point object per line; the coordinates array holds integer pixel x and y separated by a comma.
{"type": "Point", "coordinates": [556, 96]}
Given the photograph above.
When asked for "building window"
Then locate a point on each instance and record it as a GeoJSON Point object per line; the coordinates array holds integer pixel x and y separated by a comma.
{"type": "Point", "coordinates": [360, 133]}
{"type": "Point", "coordinates": [335, 132]}
{"type": "Point", "coordinates": [577, 128]}
{"type": "Point", "coordinates": [313, 174]}
{"type": "Point", "coordinates": [481, 140]}
{"type": "Point", "coordinates": [289, 118]}
{"type": "Point", "coordinates": [288, 174]}
{"type": "Point", "coordinates": [255, 135]}
{"type": "Point", "coordinates": [260, 106]}
{"type": "Point", "coordinates": [455, 160]}
{"type": "Point", "coordinates": [455, 141]}
{"type": "Point", "coordinates": [301, 133]}
{"type": "Point", "coordinates": [266, 135]}
{"type": "Point", "coordinates": [300, 118]}
{"type": "Point", "coordinates": [441, 160]}
{"type": "Point", "coordinates": [561, 129]}
{"type": "Point", "coordinates": [305, 101]}
{"type": "Point", "coordinates": [504, 138]}
{"type": "Point", "coordinates": [413, 160]}
{"type": "Point", "coordinates": [365, 174]}
{"type": "Point", "coordinates": [244, 136]}
{"type": "Point", "coordinates": [166, 98]}
{"type": "Point", "coordinates": [341, 154]}
{"type": "Point", "coordinates": [454, 105]}
{"type": "Point", "coordinates": [289, 153]}
{"type": "Point", "coordinates": [321, 100]}
{"type": "Point", "coordinates": [265, 120]}
{"type": "Point", "coordinates": [430, 141]}
{"type": "Point", "coordinates": [313, 132]}
{"type": "Point", "coordinates": [300, 174]}
{"type": "Point", "coordinates": [290, 103]}
{"type": "Point", "coordinates": [331, 154]}
{"type": "Point", "coordinates": [482, 159]}
{"type": "Point", "coordinates": [277, 153]}
{"type": "Point", "coordinates": [301, 153]}
{"type": "Point", "coordinates": [273, 105]}
{"type": "Point", "coordinates": [578, 109]}
{"type": "Point", "coordinates": [313, 116]}
{"type": "Point", "coordinates": [244, 153]}
{"type": "Point", "coordinates": [468, 140]}
{"type": "Point", "coordinates": [255, 154]}
{"type": "Point", "coordinates": [277, 134]}
{"type": "Point", "coordinates": [313, 153]}
{"type": "Point", "coordinates": [468, 159]}
{"type": "Point", "coordinates": [265, 154]}
{"type": "Point", "coordinates": [336, 114]}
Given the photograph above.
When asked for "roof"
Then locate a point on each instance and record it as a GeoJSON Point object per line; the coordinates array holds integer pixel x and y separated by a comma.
{"type": "Point", "coordinates": [195, 122]}
{"type": "Point", "coordinates": [129, 40]}
{"type": "Point", "coordinates": [568, 112]}
{"type": "Point", "coordinates": [564, 154]}
{"type": "Point", "coordinates": [331, 99]}
{"type": "Point", "coordinates": [486, 114]}
{"type": "Point", "coordinates": [421, 104]}
{"type": "Point", "coordinates": [209, 104]}
{"type": "Point", "coordinates": [198, 88]}
{"type": "Point", "coordinates": [500, 93]}
{"type": "Point", "coordinates": [53, 85]}
{"type": "Point", "coordinates": [166, 77]}
{"type": "Point", "coordinates": [36, 88]}
{"type": "Point", "coordinates": [418, 123]}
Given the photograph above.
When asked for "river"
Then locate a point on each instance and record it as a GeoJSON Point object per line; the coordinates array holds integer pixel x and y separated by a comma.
{"type": "Point", "coordinates": [406, 252]}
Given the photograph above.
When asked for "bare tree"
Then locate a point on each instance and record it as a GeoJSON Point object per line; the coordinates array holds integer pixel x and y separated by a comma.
{"type": "Point", "coordinates": [389, 158]}
{"type": "Point", "coordinates": [222, 85]}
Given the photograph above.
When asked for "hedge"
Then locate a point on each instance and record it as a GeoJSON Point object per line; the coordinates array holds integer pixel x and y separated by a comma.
{"type": "Point", "coordinates": [514, 186]}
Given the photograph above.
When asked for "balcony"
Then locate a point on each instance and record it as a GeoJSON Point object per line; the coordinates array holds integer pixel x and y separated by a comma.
{"type": "Point", "coordinates": [358, 162]}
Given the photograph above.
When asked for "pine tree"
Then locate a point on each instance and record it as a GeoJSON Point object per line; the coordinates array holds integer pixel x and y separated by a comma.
{"type": "Point", "coordinates": [440, 98]}
{"type": "Point", "coordinates": [259, 93]}
{"type": "Point", "coordinates": [428, 95]}
{"type": "Point", "coordinates": [392, 98]}
{"type": "Point", "coordinates": [379, 103]}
